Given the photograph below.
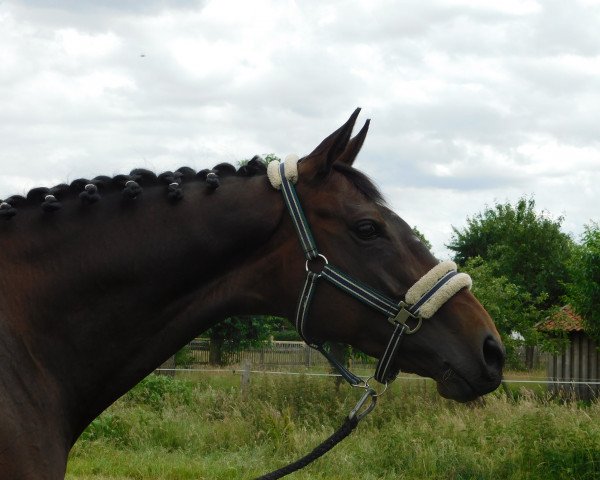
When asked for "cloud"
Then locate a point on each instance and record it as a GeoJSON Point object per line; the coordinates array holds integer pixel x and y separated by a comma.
{"type": "Point", "coordinates": [471, 101]}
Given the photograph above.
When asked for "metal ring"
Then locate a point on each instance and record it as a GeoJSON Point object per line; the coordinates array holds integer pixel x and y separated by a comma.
{"type": "Point", "coordinates": [320, 255]}
{"type": "Point", "coordinates": [375, 392]}
{"type": "Point", "coordinates": [49, 198]}
{"type": "Point", "coordinates": [410, 331]}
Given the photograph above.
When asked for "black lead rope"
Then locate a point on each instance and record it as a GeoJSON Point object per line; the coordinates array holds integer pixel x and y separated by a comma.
{"type": "Point", "coordinates": [351, 422]}
{"type": "Point", "coordinates": [345, 430]}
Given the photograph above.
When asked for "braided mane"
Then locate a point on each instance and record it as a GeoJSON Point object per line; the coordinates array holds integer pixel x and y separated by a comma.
{"type": "Point", "coordinates": [131, 185]}
{"type": "Point", "coordinates": [90, 191]}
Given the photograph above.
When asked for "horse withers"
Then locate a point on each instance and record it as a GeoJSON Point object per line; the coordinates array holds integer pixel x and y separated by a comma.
{"type": "Point", "coordinates": [103, 279]}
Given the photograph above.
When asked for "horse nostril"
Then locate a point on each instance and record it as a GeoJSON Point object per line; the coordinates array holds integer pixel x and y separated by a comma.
{"type": "Point", "coordinates": [493, 356]}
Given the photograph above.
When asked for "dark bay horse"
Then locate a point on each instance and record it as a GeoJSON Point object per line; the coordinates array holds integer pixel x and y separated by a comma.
{"type": "Point", "coordinates": [95, 294]}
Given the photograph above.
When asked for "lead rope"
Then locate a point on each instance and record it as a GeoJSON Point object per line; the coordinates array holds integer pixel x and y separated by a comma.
{"type": "Point", "coordinates": [351, 422]}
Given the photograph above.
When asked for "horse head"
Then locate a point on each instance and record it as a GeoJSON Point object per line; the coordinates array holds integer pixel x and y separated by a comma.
{"type": "Point", "coordinates": [459, 346]}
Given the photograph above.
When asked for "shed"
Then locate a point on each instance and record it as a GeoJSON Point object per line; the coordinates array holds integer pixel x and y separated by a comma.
{"type": "Point", "coordinates": [575, 370]}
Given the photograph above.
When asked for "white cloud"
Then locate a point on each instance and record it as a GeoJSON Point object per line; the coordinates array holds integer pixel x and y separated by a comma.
{"type": "Point", "coordinates": [471, 101]}
{"type": "Point", "coordinates": [78, 44]}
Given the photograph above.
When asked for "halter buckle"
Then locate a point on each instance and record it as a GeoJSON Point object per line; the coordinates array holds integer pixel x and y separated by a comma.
{"type": "Point", "coordinates": [403, 315]}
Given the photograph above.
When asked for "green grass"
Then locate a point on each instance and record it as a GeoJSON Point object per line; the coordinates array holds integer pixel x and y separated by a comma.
{"type": "Point", "coordinates": [205, 428]}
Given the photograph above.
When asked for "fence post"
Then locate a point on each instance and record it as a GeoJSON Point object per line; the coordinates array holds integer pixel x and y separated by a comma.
{"type": "Point", "coordinates": [245, 378]}
{"type": "Point", "coordinates": [168, 367]}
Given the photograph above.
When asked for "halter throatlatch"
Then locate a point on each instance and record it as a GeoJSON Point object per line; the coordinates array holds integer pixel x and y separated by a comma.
{"type": "Point", "coordinates": [421, 301]}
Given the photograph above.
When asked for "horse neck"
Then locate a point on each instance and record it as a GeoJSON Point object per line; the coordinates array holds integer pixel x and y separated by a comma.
{"type": "Point", "coordinates": [104, 295]}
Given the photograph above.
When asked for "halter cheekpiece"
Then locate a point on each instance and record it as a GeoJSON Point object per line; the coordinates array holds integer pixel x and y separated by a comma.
{"type": "Point", "coordinates": [421, 301]}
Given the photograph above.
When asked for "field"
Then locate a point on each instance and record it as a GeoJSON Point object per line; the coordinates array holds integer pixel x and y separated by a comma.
{"type": "Point", "coordinates": [204, 427]}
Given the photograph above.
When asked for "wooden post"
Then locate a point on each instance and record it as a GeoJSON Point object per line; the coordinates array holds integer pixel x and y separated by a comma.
{"type": "Point", "coordinates": [245, 378]}
{"type": "Point", "coordinates": [507, 390]}
{"type": "Point", "coordinates": [584, 390]}
{"type": "Point", "coordinates": [168, 366]}
{"type": "Point", "coordinates": [594, 362]}
{"type": "Point", "coordinates": [307, 355]}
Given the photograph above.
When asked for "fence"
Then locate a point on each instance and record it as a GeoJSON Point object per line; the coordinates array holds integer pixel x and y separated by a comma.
{"type": "Point", "coordinates": [273, 354]}
{"type": "Point", "coordinates": [287, 353]}
{"type": "Point", "coordinates": [577, 368]}
{"type": "Point", "coordinates": [272, 357]}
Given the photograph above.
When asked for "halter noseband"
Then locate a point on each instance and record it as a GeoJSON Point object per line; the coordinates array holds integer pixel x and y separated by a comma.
{"type": "Point", "coordinates": [421, 301]}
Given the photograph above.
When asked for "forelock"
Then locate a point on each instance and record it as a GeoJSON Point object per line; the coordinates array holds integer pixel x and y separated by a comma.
{"type": "Point", "coordinates": [361, 182]}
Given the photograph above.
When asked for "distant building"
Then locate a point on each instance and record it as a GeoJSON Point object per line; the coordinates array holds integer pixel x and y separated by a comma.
{"type": "Point", "coordinates": [579, 364]}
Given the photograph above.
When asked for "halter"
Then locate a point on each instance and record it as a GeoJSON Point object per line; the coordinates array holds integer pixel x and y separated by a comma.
{"type": "Point", "coordinates": [421, 301]}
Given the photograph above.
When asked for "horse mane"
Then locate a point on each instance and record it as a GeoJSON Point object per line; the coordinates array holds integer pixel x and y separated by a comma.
{"type": "Point", "coordinates": [140, 177]}
{"type": "Point", "coordinates": [90, 191]}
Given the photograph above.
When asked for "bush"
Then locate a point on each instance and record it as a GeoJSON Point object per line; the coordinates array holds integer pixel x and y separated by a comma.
{"type": "Point", "coordinates": [107, 426]}
{"type": "Point", "coordinates": [184, 357]}
{"type": "Point", "coordinates": [287, 336]}
{"type": "Point", "coordinates": [156, 391]}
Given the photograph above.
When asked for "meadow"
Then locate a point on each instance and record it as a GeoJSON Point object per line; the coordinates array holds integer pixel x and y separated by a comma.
{"type": "Point", "coordinates": [205, 427]}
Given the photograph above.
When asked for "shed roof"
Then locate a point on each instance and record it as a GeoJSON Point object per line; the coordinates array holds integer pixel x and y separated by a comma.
{"type": "Point", "coordinates": [565, 320]}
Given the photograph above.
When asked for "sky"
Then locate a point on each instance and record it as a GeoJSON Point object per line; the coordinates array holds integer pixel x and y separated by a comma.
{"type": "Point", "coordinates": [471, 102]}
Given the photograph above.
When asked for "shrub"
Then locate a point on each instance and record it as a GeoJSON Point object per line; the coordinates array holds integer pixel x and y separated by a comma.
{"type": "Point", "coordinates": [156, 391]}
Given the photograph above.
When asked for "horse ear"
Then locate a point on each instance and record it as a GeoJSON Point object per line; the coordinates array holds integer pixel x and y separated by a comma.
{"type": "Point", "coordinates": [320, 160]}
{"type": "Point", "coordinates": [354, 146]}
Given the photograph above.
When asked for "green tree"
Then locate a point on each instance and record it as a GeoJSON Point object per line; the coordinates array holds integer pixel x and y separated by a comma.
{"type": "Point", "coordinates": [239, 333]}
{"type": "Point", "coordinates": [517, 242]}
{"type": "Point", "coordinates": [422, 237]}
{"type": "Point", "coordinates": [271, 157]}
{"type": "Point", "coordinates": [584, 289]}
{"type": "Point", "coordinates": [515, 310]}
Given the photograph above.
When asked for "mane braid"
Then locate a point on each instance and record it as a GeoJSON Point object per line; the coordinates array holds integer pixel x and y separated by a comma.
{"type": "Point", "coordinates": [145, 178]}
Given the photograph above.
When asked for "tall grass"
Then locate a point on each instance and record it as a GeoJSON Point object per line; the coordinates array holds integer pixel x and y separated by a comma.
{"type": "Point", "coordinates": [174, 429]}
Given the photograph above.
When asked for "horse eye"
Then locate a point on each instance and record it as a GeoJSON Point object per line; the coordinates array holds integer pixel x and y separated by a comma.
{"type": "Point", "coordinates": [367, 230]}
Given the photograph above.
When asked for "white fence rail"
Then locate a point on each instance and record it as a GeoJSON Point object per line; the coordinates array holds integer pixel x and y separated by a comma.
{"type": "Point", "coordinates": [292, 355]}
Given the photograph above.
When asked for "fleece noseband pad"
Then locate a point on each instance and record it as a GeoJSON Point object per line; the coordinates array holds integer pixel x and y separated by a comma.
{"type": "Point", "coordinates": [443, 294]}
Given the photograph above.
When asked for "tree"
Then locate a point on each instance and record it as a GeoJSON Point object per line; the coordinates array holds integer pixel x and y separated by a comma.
{"type": "Point", "coordinates": [515, 311]}
{"type": "Point", "coordinates": [238, 333]}
{"type": "Point", "coordinates": [584, 289]}
{"type": "Point", "coordinates": [421, 237]}
{"type": "Point", "coordinates": [517, 242]}
{"type": "Point", "coordinates": [526, 256]}
{"type": "Point", "coordinates": [271, 157]}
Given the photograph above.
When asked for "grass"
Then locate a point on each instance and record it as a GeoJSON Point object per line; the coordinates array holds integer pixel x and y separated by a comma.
{"type": "Point", "coordinates": [188, 429]}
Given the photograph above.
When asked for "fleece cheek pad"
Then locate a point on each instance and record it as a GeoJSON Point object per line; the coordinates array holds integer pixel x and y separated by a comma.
{"type": "Point", "coordinates": [291, 171]}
